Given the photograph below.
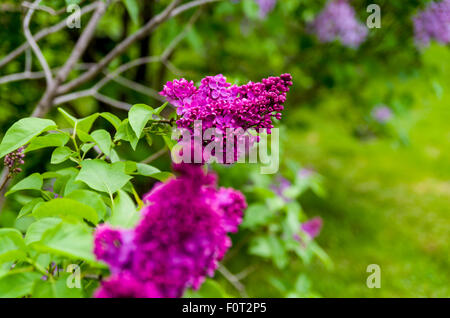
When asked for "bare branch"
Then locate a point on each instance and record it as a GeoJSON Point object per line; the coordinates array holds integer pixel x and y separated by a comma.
{"type": "Point", "coordinates": [155, 156]}
{"type": "Point", "coordinates": [34, 46]}
{"type": "Point", "coordinates": [21, 76]}
{"type": "Point", "coordinates": [28, 60]}
{"type": "Point", "coordinates": [233, 280]}
{"type": "Point", "coordinates": [112, 102]}
{"type": "Point", "coordinates": [138, 87]}
{"type": "Point", "coordinates": [120, 48]}
{"type": "Point", "coordinates": [72, 96]}
{"type": "Point", "coordinates": [83, 41]}
{"type": "Point", "coordinates": [47, 99]}
{"type": "Point", "coordinates": [43, 33]}
{"type": "Point", "coordinates": [125, 67]}
{"type": "Point", "coordinates": [47, 9]}
{"type": "Point", "coordinates": [190, 5]}
{"type": "Point", "coordinates": [168, 51]}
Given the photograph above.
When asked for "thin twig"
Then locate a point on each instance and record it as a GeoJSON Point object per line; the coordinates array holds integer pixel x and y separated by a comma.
{"type": "Point", "coordinates": [43, 33]}
{"type": "Point", "coordinates": [138, 87]}
{"type": "Point", "coordinates": [155, 156]}
{"type": "Point", "coordinates": [119, 49]}
{"type": "Point", "coordinates": [21, 76]}
{"type": "Point", "coordinates": [47, 9]}
{"type": "Point", "coordinates": [233, 280]}
{"type": "Point", "coordinates": [112, 102]}
{"type": "Point", "coordinates": [34, 46]}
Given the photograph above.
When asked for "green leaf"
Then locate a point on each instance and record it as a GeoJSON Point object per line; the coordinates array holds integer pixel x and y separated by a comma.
{"type": "Point", "coordinates": [160, 108]}
{"type": "Point", "coordinates": [12, 246]}
{"type": "Point", "coordinates": [55, 289]}
{"type": "Point", "coordinates": [22, 132]}
{"type": "Point", "coordinates": [102, 176]}
{"type": "Point", "coordinates": [133, 10]}
{"type": "Point", "coordinates": [69, 118]}
{"type": "Point", "coordinates": [103, 140]}
{"type": "Point", "coordinates": [50, 140]}
{"type": "Point", "coordinates": [70, 240]}
{"type": "Point", "coordinates": [113, 119]}
{"type": "Point", "coordinates": [32, 182]}
{"type": "Point", "coordinates": [83, 124]}
{"type": "Point", "coordinates": [91, 199]}
{"type": "Point", "coordinates": [125, 132]}
{"type": "Point", "coordinates": [67, 209]}
{"type": "Point", "coordinates": [257, 215]}
{"type": "Point", "coordinates": [138, 117]}
{"type": "Point", "coordinates": [18, 284]}
{"type": "Point", "coordinates": [60, 155]}
{"type": "Point", "coordinates": [36, 230]}
{"type": "Point", "coordinates": [124, 213]}
{"type": "Point", "coordinates": [209, 289]}
{"type": "Point", "coordinates": [28, 208]}
{"type": "Point", "coordinates": [162, 176]}
{"type": "Point", "coordinates": [146, 170]}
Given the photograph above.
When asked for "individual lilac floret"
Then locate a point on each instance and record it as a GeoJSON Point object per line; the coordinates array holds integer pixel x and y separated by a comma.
{"type": "Point", "coordinates": [181, 237]}
{"type": "Point", "coordinates": [433, 23]}
{"type": "Point", "coordinates": [382, 114]}
{"type": "Point", "coordinates": [312, 227]}
{"type": "Point", "coordinates": [219, 105]}
{"type": "Point", "coordinates": [265, 7]}
{"type": "Point", "coordinates": [14, 160]}
{"type": "Point", "coordinates": [338, 21]}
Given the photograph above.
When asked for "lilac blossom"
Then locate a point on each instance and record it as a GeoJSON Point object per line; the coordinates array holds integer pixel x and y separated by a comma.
{"type": "Point", "coordinates": [222, 106]}
{"type": "Point", "coordinates": [14, 160]}
{"type": "Point", "coordinates": [305, 173]}
{"type": "Point", "coordinates": [382, 114]}
{"type": "Point", "coordinates": [312, 227]}
{"type": "Point", "coordinates": [433, 23]}
{"type": "Point", "coordinates": [338, 21]}
{"type": "Point", "coordinates": [265, 7]}
{"type": "Point", "coordinates": [280, 185]}
{"type": "Point", "coordinates": [179, 240]}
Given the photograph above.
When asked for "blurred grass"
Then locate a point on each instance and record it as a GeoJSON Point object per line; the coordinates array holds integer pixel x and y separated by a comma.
{"type": "Point", "coordinates": [388, 203]}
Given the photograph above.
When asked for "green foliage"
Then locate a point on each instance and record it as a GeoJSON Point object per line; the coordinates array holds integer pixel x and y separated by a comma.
{"type": "Point", "coordinates": [92, 187]}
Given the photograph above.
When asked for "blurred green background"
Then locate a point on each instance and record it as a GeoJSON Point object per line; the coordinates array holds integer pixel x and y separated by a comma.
{"type": "Point", "coordinates": [386, 188]}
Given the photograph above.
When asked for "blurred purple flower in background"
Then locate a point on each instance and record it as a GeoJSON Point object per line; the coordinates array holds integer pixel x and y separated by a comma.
{"type": "Point", "coordinates": [338, 21]}
{"type": "Point", "coordinates": [305, 173]}
{"type": "Point", "coordinates": [382, 114]}
{"type": "Point", "coordinates": [281, 184]}
{"type": "Point", "coordinates": [265, 7]}
{"type": "Point", "coordinates": [312, 227]}
{"type": "Point", "coordinates": [433, 23]}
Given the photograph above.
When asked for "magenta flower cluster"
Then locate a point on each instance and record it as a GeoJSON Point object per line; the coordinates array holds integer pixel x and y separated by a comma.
{"type": "Point", "coordinates": [223, 106]}
{"type": "Point", "coordinates": [14, 160]}
{"type": "Point", "coordinates": [179, 240]}
{"type": "Point", "coordinates": [338, 21]}
{"type": "Point", "coordinates": [433, 23]}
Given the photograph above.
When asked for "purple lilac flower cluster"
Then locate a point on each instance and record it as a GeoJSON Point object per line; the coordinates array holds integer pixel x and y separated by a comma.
{"type": "Point", "coordinates": [179, 241]}
{"type": "Point", "coordinates": [265, 7]}
{"type": "Point", "coordinates": [338, 21]}
{"type": "Point", "coordinates": [222, 106]}
{"type": "Point", "coordinates": [433, 23]}
{"type": "Point", "coordinates": [14, 160]}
